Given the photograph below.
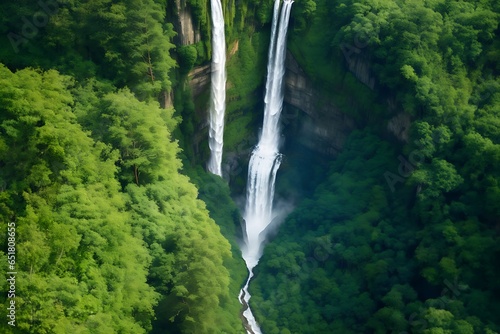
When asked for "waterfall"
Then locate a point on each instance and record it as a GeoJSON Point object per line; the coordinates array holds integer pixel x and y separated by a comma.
{"type": "Point", "coordinates": [265, 159]}
{"type": "Point", "coordinates": [218, 91]}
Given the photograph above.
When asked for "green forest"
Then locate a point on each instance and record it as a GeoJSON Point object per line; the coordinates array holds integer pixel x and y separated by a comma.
{"type": "Point", "coordinates": [118, 228]}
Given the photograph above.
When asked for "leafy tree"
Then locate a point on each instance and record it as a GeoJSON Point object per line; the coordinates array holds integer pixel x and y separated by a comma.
{"type": "Point", "coordinates": [76, 253]}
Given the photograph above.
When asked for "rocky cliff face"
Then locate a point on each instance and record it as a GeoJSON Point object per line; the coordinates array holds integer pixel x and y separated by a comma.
{"type": "Point", "coordinates": [199, 79]}
{"type": "Point", "coordinates": [325, 127]}
{"type": "Point", "coordinates": [360, 67]}
{"type": "Point", "coordinates": [399, 126]}
{"type": "Point", "coordinates": [321, 126]}
{"type": "Point", "coordinates": [186, 30]}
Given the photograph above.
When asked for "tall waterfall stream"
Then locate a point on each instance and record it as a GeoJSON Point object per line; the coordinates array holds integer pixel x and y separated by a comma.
{"type": "Point", "coordinates": [218, 89]}
{"type": "Point", "coordinates": [265, 159]}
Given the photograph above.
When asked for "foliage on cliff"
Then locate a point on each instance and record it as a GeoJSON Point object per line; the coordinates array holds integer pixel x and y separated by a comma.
{"type": "Point", "coordinates": [356, 254]}
{"type": "Point", "coordinates": [397, 242]}
{"type": "Point", "coordinates": [111, 237]}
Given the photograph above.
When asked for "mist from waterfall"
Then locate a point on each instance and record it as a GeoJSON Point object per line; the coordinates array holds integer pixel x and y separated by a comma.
{"type": "Point", "coordinates": [265, 159]}
{"type": "Point", "coordinates": [218, 90]}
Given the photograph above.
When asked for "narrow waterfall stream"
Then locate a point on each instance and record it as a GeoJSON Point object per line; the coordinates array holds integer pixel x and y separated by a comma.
{"type": "Point", "coordinates": [265, 159]}
{"type": "Point", "coordinates": [218, 89]}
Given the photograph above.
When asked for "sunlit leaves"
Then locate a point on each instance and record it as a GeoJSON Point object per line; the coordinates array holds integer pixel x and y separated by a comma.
{"type": "Point", "coordinates": [437, 178]}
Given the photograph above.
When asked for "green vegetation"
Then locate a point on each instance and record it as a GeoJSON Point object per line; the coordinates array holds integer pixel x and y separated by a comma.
{"type": "Point", "coordinates": [397, 242]}
{"type": "Point", "coordinates": [111, 237]}
{"type": "Point", "coordinates": [355, 254]}
{"type": "Point", "coordinates": [120, 230]}
{"type": "Point", "coordinates": [125, 42]}
{"type": "Point", "coordinates": [341, 251]}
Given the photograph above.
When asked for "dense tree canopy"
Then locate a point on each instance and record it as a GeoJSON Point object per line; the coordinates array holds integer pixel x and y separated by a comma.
{"type": "Point", "coordinates": [116, 224]}
{"type": "Point", "coordinates": [111, 237]}
{"type": "Point", "coordinates": [397, 242]}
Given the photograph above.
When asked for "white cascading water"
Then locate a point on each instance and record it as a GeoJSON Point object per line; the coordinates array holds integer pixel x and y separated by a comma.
{"type": "Point", "coordinates": [218, 91]}
{"type": "Point", "coordinates": [265, 159]}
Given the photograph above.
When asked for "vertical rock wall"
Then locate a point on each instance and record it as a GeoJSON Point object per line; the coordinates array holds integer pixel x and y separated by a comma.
{"type": "Point", "coordinates": [187, 32]}
{"type": "Point", "coordinates": [325, 127]}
